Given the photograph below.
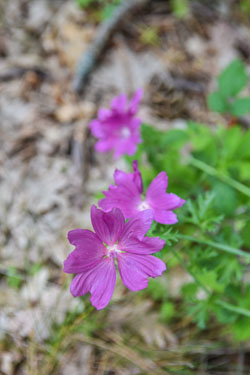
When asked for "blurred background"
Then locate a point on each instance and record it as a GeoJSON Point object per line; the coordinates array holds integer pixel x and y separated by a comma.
{"type": "Point", "coordinates": [50, 175]}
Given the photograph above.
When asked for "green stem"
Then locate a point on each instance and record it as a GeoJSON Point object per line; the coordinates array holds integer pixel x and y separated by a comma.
{"type": "Point", "coordinates": [238, 310]}
{"type": "Point", "coordinates": [216, 245]}
{"type": "Point", "coordinates": [213, 172]}
{"type": "Point", "coordinates": [189, 271]}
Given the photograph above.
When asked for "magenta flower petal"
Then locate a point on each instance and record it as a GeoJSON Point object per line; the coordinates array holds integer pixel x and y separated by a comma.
{"type": "Point", "coordinates": [121, 177]}
{"type": "Point", "coordinates": [88, 252]}
{"type": "Point", "coordinates": [125, 146]}
{"type": "Point", "coordinates": [138, 225]}
{"type": "Point", "coordinates": [103, 114]}
{"type": "Point", "coordinates": [96, 129]}
{"type": "Point", "coordinates": [135, 269]}
{"type": "Point", "coordinates": [135, 101]}
{"type": "Point", "coordinates": [107, 225]}
{"type": "Point", "coordinates": [157, 197]}
{"type": "Point", "coordinates": [157, 187]}
{"type": "Point", "coordinates": [119, 103]}
{"type": "Point", "coordinates": [165, 217]}
{"type": "Point", "coordinates": [136, 176]}
{"type": "Point", "coordinates": [147, 245]}
{"type": "Point", "coordinates": [117, 128]}
{"type": "Point", "coordinates": [100, 282]}
{"type": "Point", "coordinates": [126, 198]}
{"type": "Point", "coordinates": [105, 145]}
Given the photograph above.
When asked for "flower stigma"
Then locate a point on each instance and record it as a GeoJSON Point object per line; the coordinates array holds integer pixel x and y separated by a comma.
{"type": "Point", "coordinates": [112, 251]}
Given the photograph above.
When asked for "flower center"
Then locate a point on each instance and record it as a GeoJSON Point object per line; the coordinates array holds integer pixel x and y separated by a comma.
{"type": "Point", "coordinates": [125, 132]}
{"type": "Point", "coordinates": [143, 206]}
{"type": "Point", "coordinates": [112, 251]}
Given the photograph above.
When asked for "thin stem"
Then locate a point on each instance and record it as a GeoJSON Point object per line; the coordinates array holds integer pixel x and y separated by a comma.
{"type": "Point", "coordinates": [216, 245]}
{"type": "Point", "coordinates": [238, 310]}
{"type": "Point", "coordinates": [213, 172]}
{"type": "Point", "coordinates": [189, 271]}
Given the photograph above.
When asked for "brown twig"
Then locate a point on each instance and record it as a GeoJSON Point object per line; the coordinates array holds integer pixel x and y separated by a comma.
{"type": "Point", "coordinates": [88, 60]}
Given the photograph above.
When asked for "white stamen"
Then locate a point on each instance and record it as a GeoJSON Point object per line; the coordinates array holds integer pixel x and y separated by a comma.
{"type": "Point", "coordinates": [143, 206]}
{"type": "Point", "coordinates": [112, 251]}
{"type": "Point", "coordinates": [125, 132]}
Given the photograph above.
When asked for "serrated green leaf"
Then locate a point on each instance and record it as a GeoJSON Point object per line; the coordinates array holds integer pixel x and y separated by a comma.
{"type": "Point", "coordinates": [233, 79]}
{"type": "Point", "coordinates": [200, 313]}
{"type": "Point", "coordinates": [209, 278]}
{"type": "Point", "coordinates": [240, 106]}
{"type": "Point", "coordinates": [217, 102]}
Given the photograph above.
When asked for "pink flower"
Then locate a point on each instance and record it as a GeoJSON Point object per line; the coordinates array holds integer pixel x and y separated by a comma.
{"type": "Point", "coordinates": [127, 195]}
{"type": "Point", "coordinates": [93, 259]}
{"type": "Point", "coordinates": [117, 128]}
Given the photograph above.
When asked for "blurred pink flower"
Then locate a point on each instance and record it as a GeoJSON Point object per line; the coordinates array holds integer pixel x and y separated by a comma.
{"type": "Point", "coordinates": [126, 195]}
{"type": "Point", "coordinates": [93, 259]}
{"type": "Point", "coordinates": [117, 128]}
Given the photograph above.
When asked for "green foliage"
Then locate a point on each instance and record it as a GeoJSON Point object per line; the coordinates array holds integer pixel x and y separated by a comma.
{"type": "Point", "coordinates": [157, 289]}
{"type": "Point", "coordinates": [240, 106]}
{"type": "Point", "coordinates": [233, 79]}
{"type": "Point", "coordinates": [167, 311]}
{"type": "Point", "coordinates": [245, 7]}
{"type": "Point", "coordinates": [209, 167]}
{"type": "Point", "coordinates": [180, 8]}
{"type": "Point", "coordinates": [84, 3]}
{"type": "Point", "coordinates": [149, 36]}
{"type": "Point", "coordinates": [106, 7]}
{"type": "Point", "coordinates": [230, 83]}
{"type": "Point", "coordinates": [13, 278]}
{"type": "Point", "coordinates": [201, 212]}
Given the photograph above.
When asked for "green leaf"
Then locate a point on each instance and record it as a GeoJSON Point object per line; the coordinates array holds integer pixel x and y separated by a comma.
{"type": "Point", "coordinates": [200, 313]}
{"type": "Point", "coordinates": [108, 11]}
{"type": "Point", "coordinates": [84, 3]}
{"type": "Point", "coordinates": [157, 289]}
{"type": "Point", "coordinates": [13, 278]}
{"type": "Point", "coordinates": [244, 149]}
{"type": "Point", "coordinates": [231, 140]}
{"type": "Point", "coordinates": [174, 136]}
{"type": "Point", "coordinates": [209, 278]}
{"type": "Point", "coordinates": [180, 8]}
{"type": "Point", "coordinates": [240, 106]}
{"type": "Point", "coordinates": [189, 291]}
{"type": "Point", "coordinates": [217, 102]}
{"type": "Point", "coordinates": [244, 170]}
{"type": "Point", "coordinates": [233, 79]}
{"type": "Point", "coordinates": [167, 310]}
{"type": "Point", "coordinates": [241, 329]}
{"type": "Point", "coordinates": [225, 200]}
